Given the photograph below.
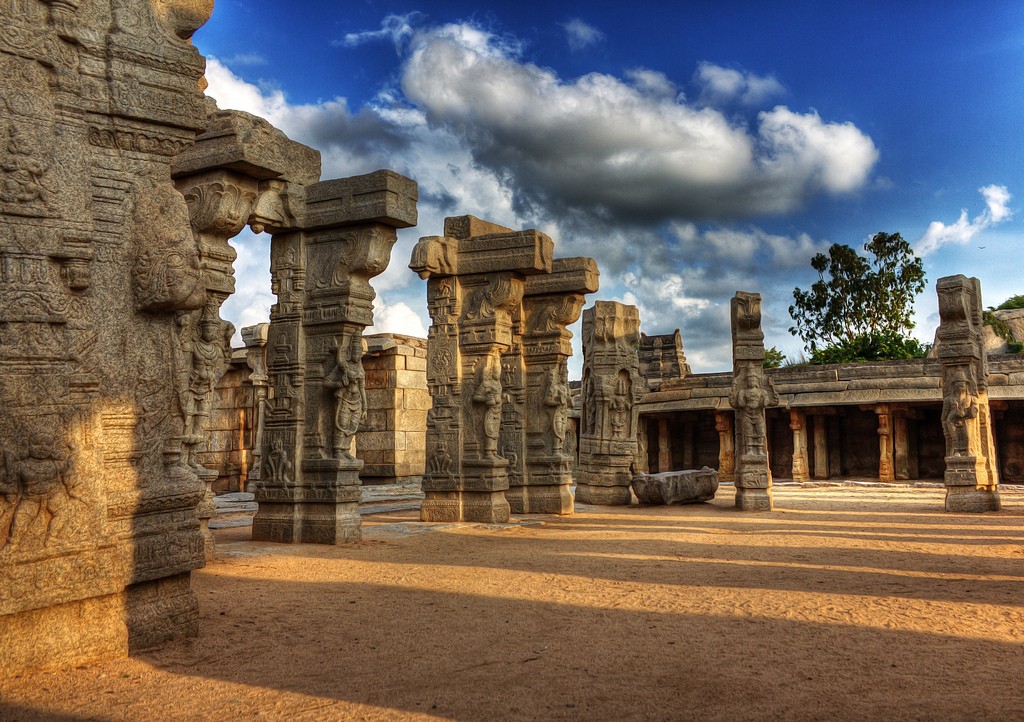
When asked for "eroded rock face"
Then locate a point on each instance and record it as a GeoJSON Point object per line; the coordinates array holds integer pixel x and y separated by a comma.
{"type": "Point", "coordinates": [676, 487]}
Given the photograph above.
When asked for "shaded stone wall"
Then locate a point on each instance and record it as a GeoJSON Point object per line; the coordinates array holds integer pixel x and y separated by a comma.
{"type": "Point", "coordinates": [392, 440]}
{"type": "Point", "coordinates": [231, 427]}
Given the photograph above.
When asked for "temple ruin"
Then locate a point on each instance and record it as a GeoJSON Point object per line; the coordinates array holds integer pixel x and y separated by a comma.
{"type": "Point", "coordinates": [500, 306]}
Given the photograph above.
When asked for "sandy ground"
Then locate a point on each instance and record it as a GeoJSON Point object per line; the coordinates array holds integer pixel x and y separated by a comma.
{"type": "Point", "coordinates": [842, 604]}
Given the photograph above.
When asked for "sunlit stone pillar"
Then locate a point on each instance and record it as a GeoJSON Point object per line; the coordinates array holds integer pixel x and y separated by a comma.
{"type": "Point", "coordinates": [752, 391]}
{"type": "Point", "coordinates": [885, 457]}
{"type": "Point", "coordinates": [972, 480]}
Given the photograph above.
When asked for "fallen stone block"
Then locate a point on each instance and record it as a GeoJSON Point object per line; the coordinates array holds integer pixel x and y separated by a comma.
{"type": "Point", "coordinates": [676, 487]}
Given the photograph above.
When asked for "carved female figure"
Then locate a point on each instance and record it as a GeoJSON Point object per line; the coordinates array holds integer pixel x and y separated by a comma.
{"type": "Point", "coordinates": [206, 357]}
{"type": "Point", "coordinates": [488, 397]}
{"type": "Point", "coordinates": [349, 384]}
{"type": "Point", "coordinates": [557, 399]}
{"type": "Point", "coordinates": [750, 398]}
{"type": "Point", "coordinates": [958, 406]}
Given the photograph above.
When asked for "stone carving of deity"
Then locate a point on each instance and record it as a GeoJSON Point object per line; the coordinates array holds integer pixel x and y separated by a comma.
{"type": "Point", "coordinates": [45, 492]}
{"type": "Point", "coordinates": [957, 408]}
{"type": "Point", "coordinates": [205, 357]}
{"type": "Point", "coordinates": [557, 399]}
{"type": "Point", "coordinates": [349, 383]}
{"type": "Point", "coordinates": [488, 399]}
{"type": "Point", "coordinates": [750, 396]}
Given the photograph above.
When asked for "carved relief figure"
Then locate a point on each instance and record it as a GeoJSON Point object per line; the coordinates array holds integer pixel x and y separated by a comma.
{"type": "Point", "coordinates": [204, 357]}
{"type": "Point", "coordinates": [957, 408]}
{"type": "Point", "coordinates": [557, 399]}
{"type": "Point", "coordinates": [278, 466]}
{"type": "Point", "coordinates": [620, 406]}
{"type": "Point", "coordinates": [45, 492]}
{"type": "Point", "coordinates": [349, 383]}
{"type": "Point", "coordinates": [750, 396]}
{"type": "Point", "coordinates": [488, 399]}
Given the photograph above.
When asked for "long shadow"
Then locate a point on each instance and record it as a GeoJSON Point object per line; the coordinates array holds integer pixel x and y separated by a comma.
{"type": "Point", "coordinates": [473, 657]}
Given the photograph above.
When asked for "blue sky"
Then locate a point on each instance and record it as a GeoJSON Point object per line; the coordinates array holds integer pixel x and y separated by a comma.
{"type": "Point", "coordinates": [694, 150]}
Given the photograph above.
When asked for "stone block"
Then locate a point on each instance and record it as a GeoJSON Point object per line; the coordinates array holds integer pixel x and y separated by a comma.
{"type": "Point", "coordinates": [676, 487]}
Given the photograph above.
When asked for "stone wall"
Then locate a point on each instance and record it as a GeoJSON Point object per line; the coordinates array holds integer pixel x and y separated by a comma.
{"type": "Point", "coordinates": [231, 427]}
{"type": "Point", "coordinates": [392, 440]}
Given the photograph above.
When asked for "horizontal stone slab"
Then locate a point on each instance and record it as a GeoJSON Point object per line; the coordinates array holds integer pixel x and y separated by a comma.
{"type": "Point", "coordinates": [676, 487]}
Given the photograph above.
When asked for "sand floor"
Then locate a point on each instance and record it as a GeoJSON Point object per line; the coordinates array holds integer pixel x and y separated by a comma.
{"type": "Point", "coordinates": [844, 603]}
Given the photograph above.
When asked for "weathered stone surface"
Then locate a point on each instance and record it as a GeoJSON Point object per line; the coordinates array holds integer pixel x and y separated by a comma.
{"type": "Point", "coordinates": [676, 487]}
{"type": "Point", "coordinates": [109, 333]}
{"type": "Point", "coordinates": [611, 388]}
{"type": "Point", "coordinates": [752, 392]}
{"type": "Point", "coordinates": [972, 478]}
{"type": "Point", "coordinates": [662, 359]}
{"type": "Point", "coordinates": [336, 236]}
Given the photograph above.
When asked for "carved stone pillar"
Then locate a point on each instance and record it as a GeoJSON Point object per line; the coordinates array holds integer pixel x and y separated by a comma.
{"type": "Point", "coordinates": [900, 445]}
{"type": "Point", "coordinates": [972, 479]}
{"type": "Point", "coordinates": [798, 424]}
{"type": "Point", "coordinates": [552, 302]}
{"type": "Point", "coordinates": [726, 446]}
{"type": "Point", "coordinates": [476, 280]}
{"type": "Point", "coordinates": [255, 340]}
{"type": "Point", "coordinates": [821, 466]}
{"type": "Point", "coordinates": [321, 265]}
{"type": "Point", "coordinates": [752, 391]}
{"type": "Point", "coordinates": [886, 471]}
{"type": "Point", "coordinates": [612, 387]}
{"type": "Point", "coordinates": [665, 447]}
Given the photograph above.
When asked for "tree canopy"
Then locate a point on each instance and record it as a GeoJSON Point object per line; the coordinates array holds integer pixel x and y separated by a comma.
{"type": "Point", "coordinates": [860, 301]}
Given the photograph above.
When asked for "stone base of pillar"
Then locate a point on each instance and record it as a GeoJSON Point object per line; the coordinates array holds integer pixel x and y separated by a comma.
{"type": "Point", "coordinates": [753, 499]}
{"type": "Point", "coordinates": [205, 511]}
{"type": "Point", "coordinates": [485, 507]}
{"type": "Point", "coordinates": [971, 499]}
{"type": "Point", "coordinates": [545, 499]}
{"type": "Point", "coordinates": [603, 495]}
{"type": "Point", "coordinates": [325, 510]}
{"type": "Point", "coordinates": [441, 506]}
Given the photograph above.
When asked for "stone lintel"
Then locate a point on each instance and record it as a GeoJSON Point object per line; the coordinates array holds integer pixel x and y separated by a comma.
{"type": "Point", "coordinates": [250, 145]}
{"type": "Point", "coordinates": [463, 227]}
{"type": "Point", "coordinates": [568, 275]}
{"type": "Point", "coordinates": [527, 252]}
{"type": "Point", "coordinates": [383, 197]}
{"type": "Point", "coordinates": [255, 335]}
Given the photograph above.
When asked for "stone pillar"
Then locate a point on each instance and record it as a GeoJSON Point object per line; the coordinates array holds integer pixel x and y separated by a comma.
{"type": "Point", "coordinates": [688, 443]}
{"type": "Point", "coordinates": [665, 446]}
{"type": "Point", "coordinates": [886, 471]}
{"type": "Point", "coordinates": [900, 445]}
{"type": "Point", "coordinates": [476, 277]}
{"type": "Point", "coordinates": [726, 445]}
{"type": "Point", "coordinates": [820, 448]}
{"type": "Point", "coordinates": [98, 263]}
{"type": "Point", "coordinates": [752, 391]}
{"type": "Point", "coordinates": [551, 303]}
{"type": "Point", "coordinates": [322, 260]}
{"type": "Point", "coordinates": [972, 480]}
{"type": "Point", "coordinates": [255, 340]}
{"type": "Point", "coordinates": [798, 424]}
{"type": "Point", "coordinates": [611, 389]}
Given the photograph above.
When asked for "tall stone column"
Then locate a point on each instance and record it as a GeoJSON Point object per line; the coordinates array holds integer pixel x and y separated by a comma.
{"type": "Point", "coordinates": [900, 444]}
{"type": "Point", "coordinates": [752, 391]}
{"type": "Point", "coordinates": [726, 446]}
{"type": "Point", "coordinates": [972, 480]}
{"type": "Point", "coordinates": [665, 447]}
{"type": "Point", "coordinates": [820, 447]}
{"type": "Point", "coordinates": [551, 303]}
{"type": "Point", "coordinates": [476, 276]}
{"type": "Point", "coordinates": [255, 340]}
{"type": "Point", "coordinates": [886, 468]}
{"type": "Point", "coordinates": [798, 424]}
{"type": "Point", "coordinates": [339, 235]}
{"type": "Point", "coordinates": [612, 387]}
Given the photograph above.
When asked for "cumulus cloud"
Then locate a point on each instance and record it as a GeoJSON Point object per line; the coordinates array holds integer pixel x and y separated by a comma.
{"type": "Point", "coordinates": [581, 35]}
{"type": "Point", "coordinates": [625, 150]}
{"type": "Point", "coordinates": [396, 318]}
{"type": "Point", "coordinates": [938, 234]}
{"type": "Point", "coordinates": [723, 87]}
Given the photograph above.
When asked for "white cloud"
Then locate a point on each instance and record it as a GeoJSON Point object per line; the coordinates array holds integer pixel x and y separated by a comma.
{"type": "Point", "coordinates": [581, 35]}
{"type": "Point", "coordinates": [396, 318]}
{"type": "Point", "coordinates": [938, 234]}
{"type": "Point", "coordinates": [645, 154]}
{"type": "Point", "coordinates": [721, 86]}
{"type": "Point", "coordinates": [396, 28]}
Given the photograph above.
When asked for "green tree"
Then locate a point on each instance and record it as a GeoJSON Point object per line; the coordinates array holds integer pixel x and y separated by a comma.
{"type": "Point", "coordinates": [859, 301]}
{"type": "Point", "coordinates": [773, 358]}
